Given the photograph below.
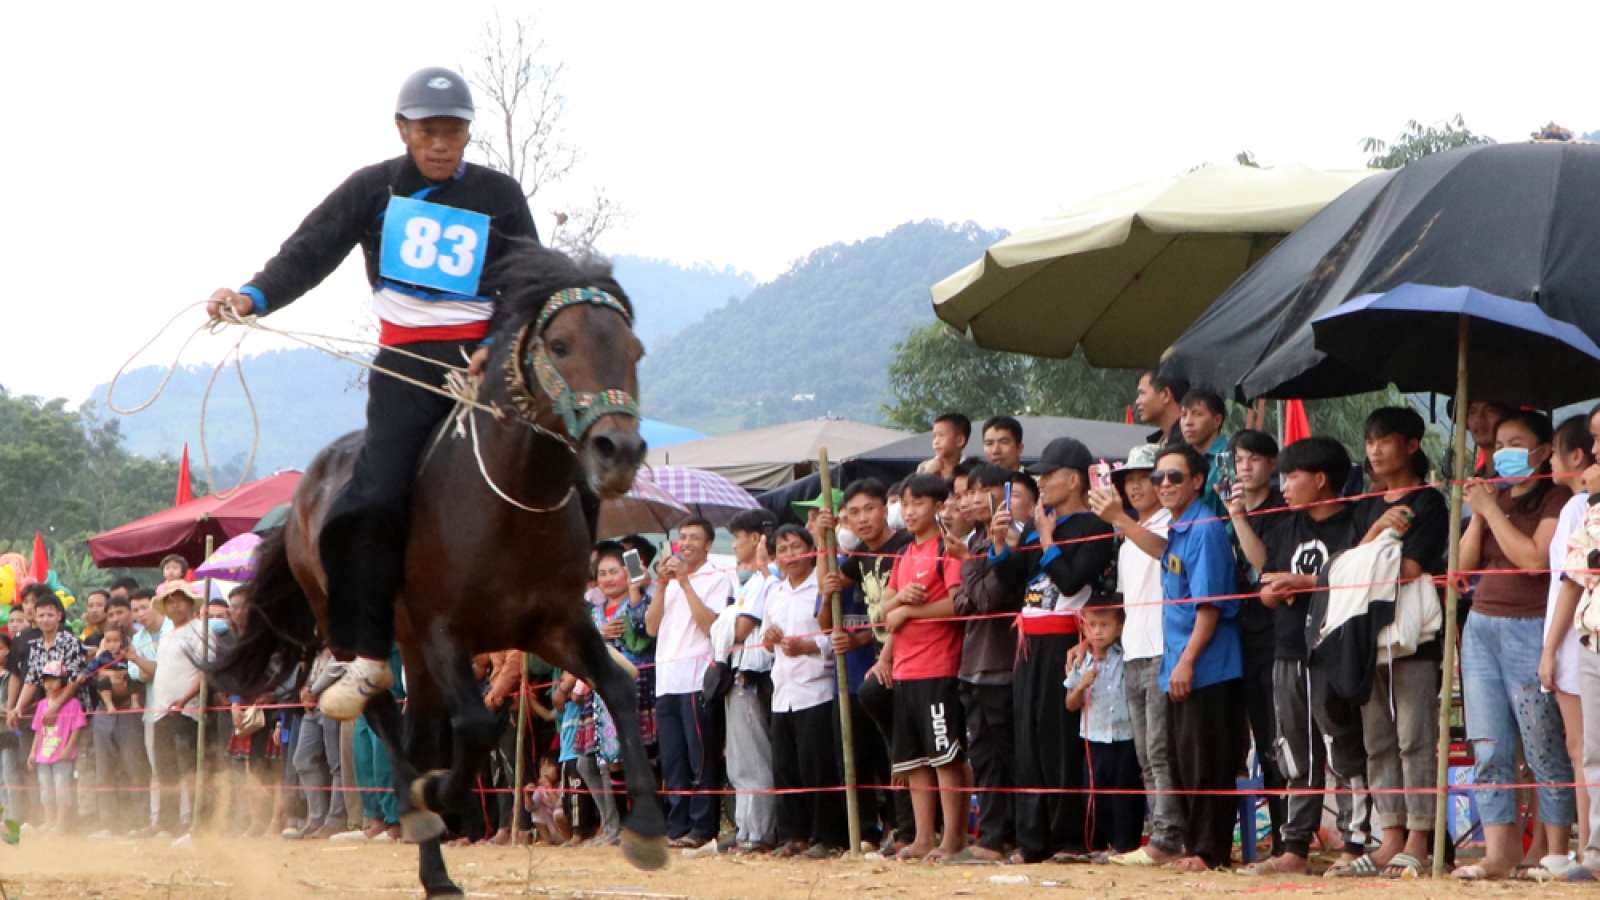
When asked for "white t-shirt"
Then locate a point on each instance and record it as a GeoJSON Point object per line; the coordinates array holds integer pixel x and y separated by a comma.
{"type": "Point", "coordinates": [176, 671]}
{"type": "Point", "coordinates": [1567, 654]}
{"type": "Point", "coordinates": [683, 650]}
{"type": "Point", "coordinates": [752, 604]}
{"type": "Point", "coordinates": [800, 682]}
{"type": "Point", "coordinates": [1139, 576]}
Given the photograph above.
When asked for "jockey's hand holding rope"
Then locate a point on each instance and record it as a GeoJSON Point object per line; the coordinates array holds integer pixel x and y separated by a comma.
{"type": "Point", "coordinates": [244, 306]}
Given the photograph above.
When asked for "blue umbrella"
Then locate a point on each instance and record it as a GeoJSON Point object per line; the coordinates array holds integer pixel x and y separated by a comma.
{"type": "Point", "coordinates": [664, 434]}
{"type": "Point", "coordinates": [1505, 350]}
{"type": "Point", "coordinates": [1516, 354]}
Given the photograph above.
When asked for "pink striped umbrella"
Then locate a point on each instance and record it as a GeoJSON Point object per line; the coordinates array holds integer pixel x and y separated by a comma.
{"type": "Point", "coordinates": [707, 494]}
{"type": "Point", "coordinates": [644, 509]}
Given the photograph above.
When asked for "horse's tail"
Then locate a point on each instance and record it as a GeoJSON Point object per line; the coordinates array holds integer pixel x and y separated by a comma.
{"type": "Point", "coordinates": [280, 629]}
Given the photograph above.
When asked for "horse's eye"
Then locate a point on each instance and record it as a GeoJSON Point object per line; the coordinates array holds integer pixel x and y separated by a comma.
{"type": "Point", "coordinates": [559, 348]}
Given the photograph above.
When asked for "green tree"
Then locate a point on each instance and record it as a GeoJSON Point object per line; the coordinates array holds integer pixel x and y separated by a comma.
{"type": "Point", "coordinates": [1417, 141]}
{"type": "Point", "coordinates": [66, 475]}
{"type": "Point", "coordinates": [937, 369]}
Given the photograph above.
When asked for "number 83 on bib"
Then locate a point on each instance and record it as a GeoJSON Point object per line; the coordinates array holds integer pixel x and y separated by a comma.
{"type": "Point", "coordinates": [433, 246]}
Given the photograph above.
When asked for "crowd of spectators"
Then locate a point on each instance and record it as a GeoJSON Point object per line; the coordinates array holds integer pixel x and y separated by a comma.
{"type": "Point", "coordinates": [1061, 662]}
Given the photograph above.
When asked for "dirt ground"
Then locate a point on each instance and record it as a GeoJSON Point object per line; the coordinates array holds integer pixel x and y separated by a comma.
{"type": "Point", "coordinates": [123, 870]}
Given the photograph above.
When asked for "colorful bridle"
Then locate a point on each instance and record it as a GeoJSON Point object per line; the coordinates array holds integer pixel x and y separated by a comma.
{"type": "Point", "coordinates": [578, 409]}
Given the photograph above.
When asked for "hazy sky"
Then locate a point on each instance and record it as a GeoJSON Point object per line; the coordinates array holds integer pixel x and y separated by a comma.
{"type": "Point", "coordinates": [158, 151]}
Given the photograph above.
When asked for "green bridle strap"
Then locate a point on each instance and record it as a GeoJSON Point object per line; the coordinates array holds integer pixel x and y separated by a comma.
{"type": "Point", "coordinates": [578, 409]}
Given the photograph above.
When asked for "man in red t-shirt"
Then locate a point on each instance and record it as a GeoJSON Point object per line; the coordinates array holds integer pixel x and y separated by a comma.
{"type": "Point", "coordinates": [924, 656]}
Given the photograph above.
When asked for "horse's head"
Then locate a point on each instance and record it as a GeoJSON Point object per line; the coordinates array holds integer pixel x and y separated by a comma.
{"type": "Point", "coordinates": [569, 358]}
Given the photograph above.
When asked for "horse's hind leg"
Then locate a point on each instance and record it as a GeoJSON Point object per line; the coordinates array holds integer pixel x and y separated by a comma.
{"type": "Point", "coordinates": [644, 837]}
{"type": "Point", "coordinates": [472, 727]}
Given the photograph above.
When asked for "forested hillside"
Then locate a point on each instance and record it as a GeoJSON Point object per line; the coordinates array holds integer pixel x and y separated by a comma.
{"type": "Point", "coordinates": [816, 340]}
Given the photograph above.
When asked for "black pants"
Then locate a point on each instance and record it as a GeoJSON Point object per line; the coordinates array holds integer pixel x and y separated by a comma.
{"type": "Point", "coordinates": [1263, 723]}
{"type": "Point", "coordinates": [363, 541]}
{"type": "Point", "coordinates": [1206, 748]}
{"type": "Point", "coordinates": [804, 756]}
{"type": "Point", "coordinates": [688, 765]}
{"type": "Point", "coordinates": [877, 702]}
{"type": "Point", "coordinates": [1118, 818]}
{"type": "Point", "coordinates": [992, 750]}
{"type": "Point", "coordinates": [872, 769]}
{"type": "Point", "coordinates": [1049, 752]}
{"type": "Point", "coordinates": [1340, 720]}
{"type": "Point", "coordinates": [176, 738]}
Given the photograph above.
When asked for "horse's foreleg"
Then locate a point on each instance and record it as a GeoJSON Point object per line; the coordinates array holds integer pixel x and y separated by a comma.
{"type": "Point", "coordinates": [412, 742]}
{"type": "Point", "coordinates": [643, 838]}
{"type": "Point", "coordinates": [472, 727]}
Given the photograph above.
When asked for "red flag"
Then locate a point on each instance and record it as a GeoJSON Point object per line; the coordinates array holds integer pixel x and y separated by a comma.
{"type": "Point", "coordinates": [1296, 426]}
{"type": "Point", "coordinates": [185, 491]}
{"type": "Point", "coordinates": [1128, 416]}
{"type": "Point", "coordinates": [39, 566]}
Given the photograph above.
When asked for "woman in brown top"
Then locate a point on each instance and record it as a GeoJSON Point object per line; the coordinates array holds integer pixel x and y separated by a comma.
{"type": "Point", "coordinates": [1513, 522]}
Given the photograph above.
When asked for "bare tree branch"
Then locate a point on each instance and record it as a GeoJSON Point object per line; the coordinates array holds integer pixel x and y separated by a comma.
{"type": "Point", "coordinates": [518, 130]}
{"type": "Point", "coordinates": [578, 230]}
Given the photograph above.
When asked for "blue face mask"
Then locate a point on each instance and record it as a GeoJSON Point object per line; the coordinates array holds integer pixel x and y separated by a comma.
{"type": "Point", "coordinates": [218, 626]}
{"type": "Point", "coordinates": [1512, 462]}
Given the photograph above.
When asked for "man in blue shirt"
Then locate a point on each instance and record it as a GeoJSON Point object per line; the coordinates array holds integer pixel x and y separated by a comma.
{"type": "Point", "coordinates": [1201, 666]}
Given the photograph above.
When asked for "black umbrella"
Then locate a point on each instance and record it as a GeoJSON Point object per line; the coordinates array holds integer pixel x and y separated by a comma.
{"type": "Point", "coordinates": [1514, 220]}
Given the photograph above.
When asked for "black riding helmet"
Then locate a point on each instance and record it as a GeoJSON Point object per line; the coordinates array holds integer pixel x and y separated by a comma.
{"type": "Point", "coordinates": [432, 92]}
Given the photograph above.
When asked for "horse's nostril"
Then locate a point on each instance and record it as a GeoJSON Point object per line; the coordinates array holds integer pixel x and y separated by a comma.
{"type": "Point", "coordinates": [604, 447]}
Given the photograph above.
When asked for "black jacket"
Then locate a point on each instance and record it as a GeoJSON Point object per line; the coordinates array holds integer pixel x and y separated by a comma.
{"type": "Point", "coordinates": [989, 647]}
{"type": "Point", "coordinates": [352, 215]}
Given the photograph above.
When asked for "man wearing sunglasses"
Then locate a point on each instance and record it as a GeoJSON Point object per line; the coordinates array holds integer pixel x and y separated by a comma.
{"type": "Point", "coordinates": [1201, 666]}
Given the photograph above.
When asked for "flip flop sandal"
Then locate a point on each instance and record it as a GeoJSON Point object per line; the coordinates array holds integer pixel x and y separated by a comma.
{"type": "Point", "coordinates": [1578, 874]}
{"type": "Point", "coordinates": [1269, 866]}
{"type": "Point", "coordinates": [1472, 873]}
{"type": "Point", "coordinates": [1136, 858]}
{"type": "Point", "coordinates": [1066, 859]}
{"type": "Point", "coordinates": [1361, 867]}
{"type": "Point", "coordinates": [1401, 864]}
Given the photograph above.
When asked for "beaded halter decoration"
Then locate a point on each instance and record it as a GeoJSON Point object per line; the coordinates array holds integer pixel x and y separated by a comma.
{"type": "Point", "coordinates": [578, 409]}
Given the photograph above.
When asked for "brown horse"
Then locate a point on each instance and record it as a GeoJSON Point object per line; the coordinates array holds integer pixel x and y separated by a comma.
{"type": "Point", "coordinates": [502, 519]}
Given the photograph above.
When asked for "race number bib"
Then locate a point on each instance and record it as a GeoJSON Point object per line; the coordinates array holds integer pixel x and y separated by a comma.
{"type": "Point", "coordinates": [433, 246]}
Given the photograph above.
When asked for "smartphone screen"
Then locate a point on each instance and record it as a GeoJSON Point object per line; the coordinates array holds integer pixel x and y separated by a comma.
{"type": "Point", "coordinates": [636, 571]}
{"type": "Point", "coordinates": [1008, 496]}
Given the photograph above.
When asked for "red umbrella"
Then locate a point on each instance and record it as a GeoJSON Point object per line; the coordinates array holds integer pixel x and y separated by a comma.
{"type": "Point", "coordinates": [183, 529]}
{"type": "Point", "coordinates": [185, 488]}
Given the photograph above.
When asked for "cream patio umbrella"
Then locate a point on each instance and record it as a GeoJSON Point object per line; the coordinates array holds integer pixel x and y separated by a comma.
{"type": "Point", "coordinates": [1124, 274]}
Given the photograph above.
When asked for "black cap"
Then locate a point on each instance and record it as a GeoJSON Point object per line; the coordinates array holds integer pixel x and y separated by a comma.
{"type": "Point", "coordinates": [1063, 453]}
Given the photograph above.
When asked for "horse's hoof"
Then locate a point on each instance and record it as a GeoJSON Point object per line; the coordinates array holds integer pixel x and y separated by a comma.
{"type": "Point", "coordinates": [419, 787]}
{"type": "Point", "coordinates": [448, 890]}
{"type": "Point", "coordinates": [420, 826]}
{"type": "Point", "coordinates": [643, 852]}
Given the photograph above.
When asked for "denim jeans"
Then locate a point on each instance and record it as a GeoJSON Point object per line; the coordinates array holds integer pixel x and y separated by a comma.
{"type": "Point", "coordinates": [1147, 707]}
{"type": "Point", "coordinates": [1504, 703]}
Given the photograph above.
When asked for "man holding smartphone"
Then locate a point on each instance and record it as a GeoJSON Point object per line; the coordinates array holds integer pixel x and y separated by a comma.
{"type": "Point", "coordinates": [690, 594]}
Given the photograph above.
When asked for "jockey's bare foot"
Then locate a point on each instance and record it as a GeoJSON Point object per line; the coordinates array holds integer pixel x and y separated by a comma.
{"type": "Point", "coordinates": [362, 679]}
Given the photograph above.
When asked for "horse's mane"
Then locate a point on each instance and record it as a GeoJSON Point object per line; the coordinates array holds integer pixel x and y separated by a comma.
{"type": "Point", "coordinates": [525, 276]}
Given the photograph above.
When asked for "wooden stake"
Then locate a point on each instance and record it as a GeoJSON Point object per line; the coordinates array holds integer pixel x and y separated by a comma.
{"type": "Point", "coordinates": [1451, 596]}
{"type": "Point", "coordinates": [830, 564]}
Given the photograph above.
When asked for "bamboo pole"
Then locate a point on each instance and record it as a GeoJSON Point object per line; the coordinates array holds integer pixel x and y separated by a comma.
{"type": "Point", "coordinates": [830, 564]}
{"type": "Point", "coordinates": [516, 768]}
{"type": "Point", "coordinates": [1451, 597]}
{"type": "Point", "coordinates": [203, 613]}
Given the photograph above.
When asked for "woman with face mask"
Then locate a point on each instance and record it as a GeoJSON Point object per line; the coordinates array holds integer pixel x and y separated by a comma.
{"type": "Point", "coordinates": [1514, 519]}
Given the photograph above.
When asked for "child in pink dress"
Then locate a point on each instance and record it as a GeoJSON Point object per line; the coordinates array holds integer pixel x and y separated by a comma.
{"type": "Point", "coordinates": [55, 746]}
